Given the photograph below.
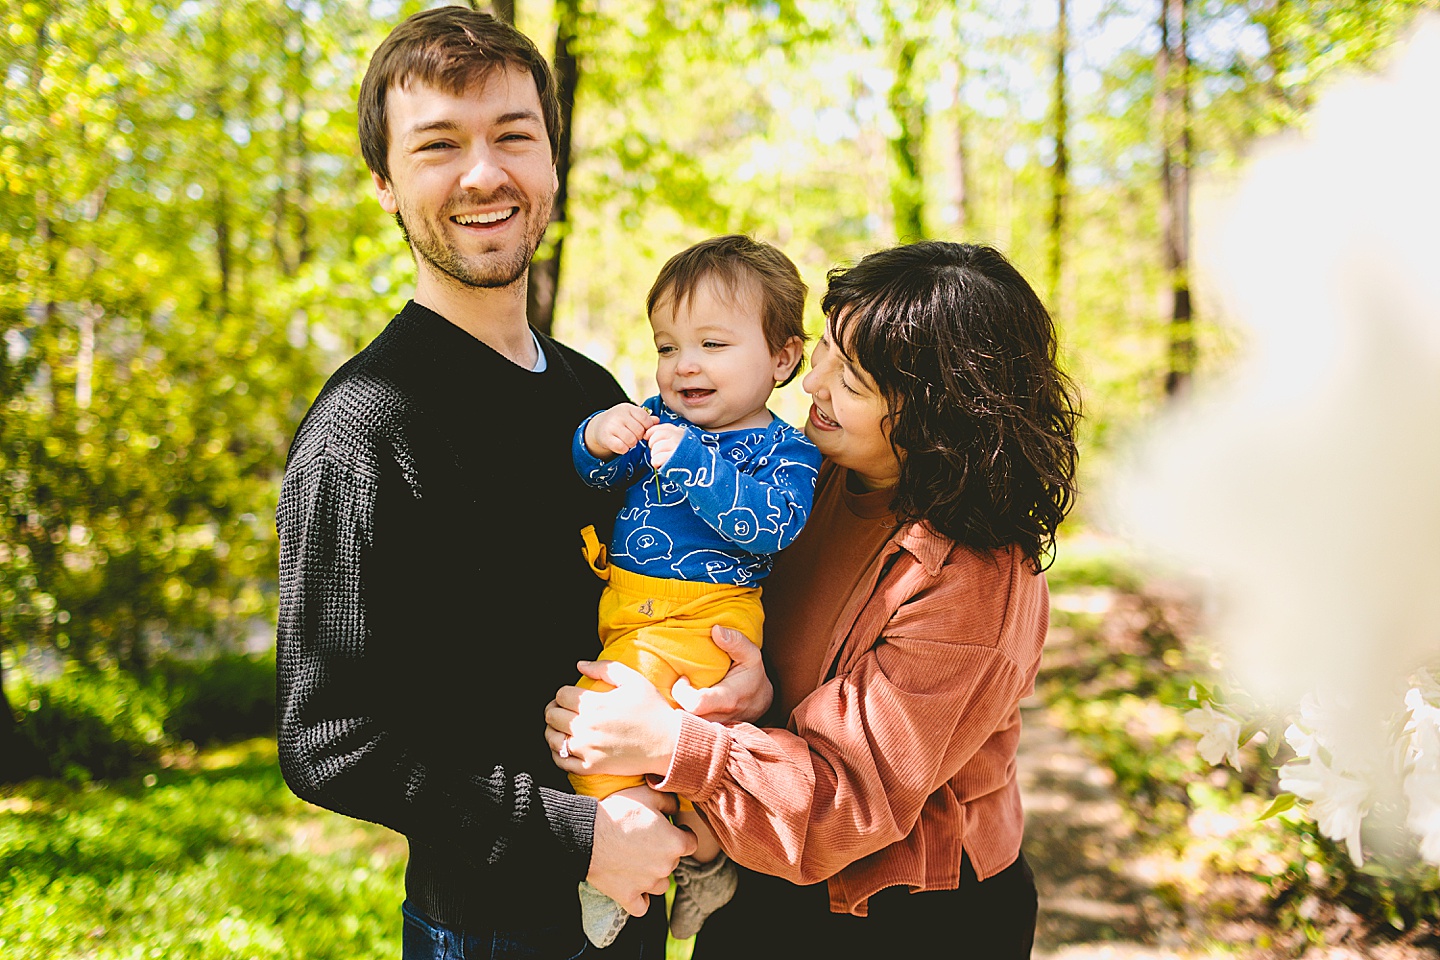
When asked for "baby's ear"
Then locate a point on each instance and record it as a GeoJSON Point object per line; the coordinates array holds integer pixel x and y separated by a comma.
{"type": "Point", "coordinates": [787, 359]}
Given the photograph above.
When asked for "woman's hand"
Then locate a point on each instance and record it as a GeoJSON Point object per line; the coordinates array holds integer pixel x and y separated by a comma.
{"type": "Point", "coordinates": [628, 731]}
{"type": "Point", "coordinates": [743, 695]}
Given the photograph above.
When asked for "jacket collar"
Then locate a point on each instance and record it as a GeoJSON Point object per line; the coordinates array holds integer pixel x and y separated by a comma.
{"type": "Point", "coordinates": [925, 544]}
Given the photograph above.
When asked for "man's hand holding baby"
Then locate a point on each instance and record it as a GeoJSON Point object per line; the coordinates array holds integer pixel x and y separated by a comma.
{"type": "Point", "coordinates": [613, 432]}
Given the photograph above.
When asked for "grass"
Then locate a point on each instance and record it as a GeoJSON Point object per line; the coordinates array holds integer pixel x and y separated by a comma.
{"type": "Point", "coordinates": [213, 859]}
{"type": "Point", "coordinates": [211, 862]}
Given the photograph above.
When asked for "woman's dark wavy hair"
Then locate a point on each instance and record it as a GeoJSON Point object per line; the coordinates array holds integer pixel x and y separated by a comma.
{"type": "Point", "coordinates": [980, 414]}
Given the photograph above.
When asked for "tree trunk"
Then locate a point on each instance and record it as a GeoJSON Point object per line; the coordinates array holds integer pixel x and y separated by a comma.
{"type": "Point", "coordinates": [963, 201]}
{"type": "Point", "coordinates": [303, 253]}
{"type": "Point", "coordinates": [1173, 86]}
{"type": "Point", "coordinates": [907, 105]}
{"type": "Point", "coordinates": [1060, 170]}
{"type": "Point", "coordinates": [223, 251]}
{"type": "Point", "coordinates": [544, 280]}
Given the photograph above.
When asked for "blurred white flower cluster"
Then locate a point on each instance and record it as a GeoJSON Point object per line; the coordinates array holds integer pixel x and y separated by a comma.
{"type": "Point", "coordinates": [1422, 779]}
{"type": "Point", "coordinates": [1336, 783]}
{"type": "Point", "coordinates": [1300, 488]}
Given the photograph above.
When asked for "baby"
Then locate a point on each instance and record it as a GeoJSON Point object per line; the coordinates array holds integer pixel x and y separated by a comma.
{"type": "Point", "coordinates": [715, 486]}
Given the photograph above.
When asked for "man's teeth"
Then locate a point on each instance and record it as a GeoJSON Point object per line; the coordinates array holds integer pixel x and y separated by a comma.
{"type": "Point", "coordinates": [495, 217]}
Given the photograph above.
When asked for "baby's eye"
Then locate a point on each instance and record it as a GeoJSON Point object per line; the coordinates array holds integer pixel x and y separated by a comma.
{"type": "Point", "coordinates": [665, 351]}
{"type": "Point", "coordinates": [711, 344]}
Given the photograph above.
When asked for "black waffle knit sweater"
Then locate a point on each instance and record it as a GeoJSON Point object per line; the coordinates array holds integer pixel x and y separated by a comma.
{"type": "Point", "coordinates": [432, 598]}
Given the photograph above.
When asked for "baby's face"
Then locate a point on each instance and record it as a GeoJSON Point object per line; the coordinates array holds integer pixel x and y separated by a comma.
{"type": "Point", "coordinates": [715, 368]}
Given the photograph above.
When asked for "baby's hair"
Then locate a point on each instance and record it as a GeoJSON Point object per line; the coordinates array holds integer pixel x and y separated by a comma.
{"type": "Point", "coordinates": [734, 263]}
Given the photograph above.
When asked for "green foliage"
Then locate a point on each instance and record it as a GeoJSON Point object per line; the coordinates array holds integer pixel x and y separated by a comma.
{"type": "Point", "coordinates": [188, 240]}
{"type": "Point", "coordinates": [1124, 664]}
{"type": "Point", "coordinates": [90, 723]}
{"type": "Point", "coordinates": [107, 723]}
{"type": "Point", "coordinates": [180, 239]}
{"type": "Point", "coordinates": [228, 698]}
{"type": "Point", "coordinates": [213, 862]}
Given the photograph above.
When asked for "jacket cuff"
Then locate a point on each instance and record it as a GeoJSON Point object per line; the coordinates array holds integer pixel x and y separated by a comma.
{"type": "Point", "coordinates": [572, 822]}
{"type": "Point", "coordinates": [701, 753]}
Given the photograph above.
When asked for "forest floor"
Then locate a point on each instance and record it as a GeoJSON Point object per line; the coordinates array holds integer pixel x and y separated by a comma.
{"type": "Point", "coordinates": [1101, 882]}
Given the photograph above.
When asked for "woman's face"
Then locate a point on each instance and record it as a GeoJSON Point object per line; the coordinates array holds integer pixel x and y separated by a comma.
{"type": "Point", "coordinates": [847, 416]}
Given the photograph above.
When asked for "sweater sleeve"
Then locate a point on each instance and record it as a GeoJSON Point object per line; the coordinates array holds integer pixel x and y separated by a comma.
{"type": "Point", "coordinates": [343, 741]}
{"type": "Point", "coordinates": [864, 750]}
{"type": "Point", "coordinates": [760, 506]}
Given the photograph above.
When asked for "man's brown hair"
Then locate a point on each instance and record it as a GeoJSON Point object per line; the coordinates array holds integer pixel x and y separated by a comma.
{"type": "Point", "coordinates": [735, 262]}
{"type": "Point", "coordinates": [449, 48]}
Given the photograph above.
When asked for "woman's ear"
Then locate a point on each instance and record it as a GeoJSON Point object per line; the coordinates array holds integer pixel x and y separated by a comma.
{"type": "Point", "coordinates": [787, 358]}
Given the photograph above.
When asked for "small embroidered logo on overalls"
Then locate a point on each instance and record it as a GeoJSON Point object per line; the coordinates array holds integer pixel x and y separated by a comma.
{"type": "Point", "coordinates": [647, 609]}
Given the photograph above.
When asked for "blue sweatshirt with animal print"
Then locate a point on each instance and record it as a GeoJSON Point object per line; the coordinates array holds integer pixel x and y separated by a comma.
{"type": "Point", "coordinates": [718, 510]}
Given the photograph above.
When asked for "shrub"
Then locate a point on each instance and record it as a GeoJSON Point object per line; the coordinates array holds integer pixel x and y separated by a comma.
{"type": "Point", "coordinates": [103, 723]}
{"type": "Point", "coordinates": [228, 698]}
{"type": "Point", "coordinates": [93, 723]}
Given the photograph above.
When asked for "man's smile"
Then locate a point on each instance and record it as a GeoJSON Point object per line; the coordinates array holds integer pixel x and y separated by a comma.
{"type": "Point", "coordinates": [484, 219]}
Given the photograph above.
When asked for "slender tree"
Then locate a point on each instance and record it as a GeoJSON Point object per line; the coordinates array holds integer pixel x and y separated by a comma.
{"type": "Point", "coordinates": [1060, 168]}
{"type": "Point", "coordinates": [545, 269]}
{"type": "Point", "coordinates": [906, 100]}
{"type": "Point", "coordinates": [1173, 96]}
{"type": "Point", "coordinates": [964, 202]}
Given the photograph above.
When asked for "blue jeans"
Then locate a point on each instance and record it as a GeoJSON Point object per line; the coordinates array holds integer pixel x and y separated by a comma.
{"type": "Point", "coordinates": [426, 939]}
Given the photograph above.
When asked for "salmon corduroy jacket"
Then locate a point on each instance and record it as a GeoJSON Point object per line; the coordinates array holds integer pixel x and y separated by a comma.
{"type": "Point", "coordinates": [904, 754]}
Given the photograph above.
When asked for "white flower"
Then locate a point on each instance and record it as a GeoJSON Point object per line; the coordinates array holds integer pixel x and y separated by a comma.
{"type": "Point", "coordinates": [1337, 801]}
{"type": "Point", "coordinates": [1422, 784]}
{"type": "Point", "coordinates": [1219, 735]}
{"type": "Point", "coordinates": [1301, 742]}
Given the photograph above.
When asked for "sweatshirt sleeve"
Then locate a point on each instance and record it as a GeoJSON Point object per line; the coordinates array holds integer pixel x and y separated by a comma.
{"type": "Point", "coordinates": [617, 472]}
{"type": "Point", "coordinates": [760, 505]}
{"type": "Point", "coordinates": [343, 742]}
{"type": "Point", "coordinates": [864, 751]}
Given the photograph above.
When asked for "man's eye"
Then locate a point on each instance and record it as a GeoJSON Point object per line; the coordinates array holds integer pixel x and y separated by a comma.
{"type": "Point", "coordinates": [437, 145]}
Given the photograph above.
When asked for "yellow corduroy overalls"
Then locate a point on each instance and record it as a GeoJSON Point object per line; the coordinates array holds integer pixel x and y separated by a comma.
{"type": "Point", "coordinates": [661, 628]}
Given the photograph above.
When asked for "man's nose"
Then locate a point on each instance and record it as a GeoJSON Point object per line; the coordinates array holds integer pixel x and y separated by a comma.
{"type": "Point", "coordinates": [485, 174]}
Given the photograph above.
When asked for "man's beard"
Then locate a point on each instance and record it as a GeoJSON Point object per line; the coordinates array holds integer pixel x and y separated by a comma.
{"type": "Point", "coordinates": [430, 246]}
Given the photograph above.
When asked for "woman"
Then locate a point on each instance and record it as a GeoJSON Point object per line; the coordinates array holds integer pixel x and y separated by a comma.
{"type": "Point", "coordinates": [903, 628]}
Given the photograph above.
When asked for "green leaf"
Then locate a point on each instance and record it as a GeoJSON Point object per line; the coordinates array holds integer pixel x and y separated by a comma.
{"type": "Point", "coordinates": [1280, 804]}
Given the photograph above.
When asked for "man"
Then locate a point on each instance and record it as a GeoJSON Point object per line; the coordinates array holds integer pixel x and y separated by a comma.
{"type": "Point", "coordinates": [433, 592]}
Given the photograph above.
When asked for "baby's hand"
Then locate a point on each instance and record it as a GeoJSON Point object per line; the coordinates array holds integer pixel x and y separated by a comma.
{"type": "Point", "coordinates": [617, 430]}
{"type": "Point", "coordinates": [663, 439]}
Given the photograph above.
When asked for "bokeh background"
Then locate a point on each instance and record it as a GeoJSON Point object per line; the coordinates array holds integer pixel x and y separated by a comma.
{"type": "Point", "coordinates": [1228, 206]}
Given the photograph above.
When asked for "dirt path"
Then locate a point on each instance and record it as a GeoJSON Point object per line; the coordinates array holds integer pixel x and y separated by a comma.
{"type": "Point", "coordinates": [1077, 843]}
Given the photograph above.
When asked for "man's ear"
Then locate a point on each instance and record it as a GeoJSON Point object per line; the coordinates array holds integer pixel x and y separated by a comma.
{"type": "Point", "coordinates": [385, 193]}
{"type": "Point", "coordinates": [787, 358]}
